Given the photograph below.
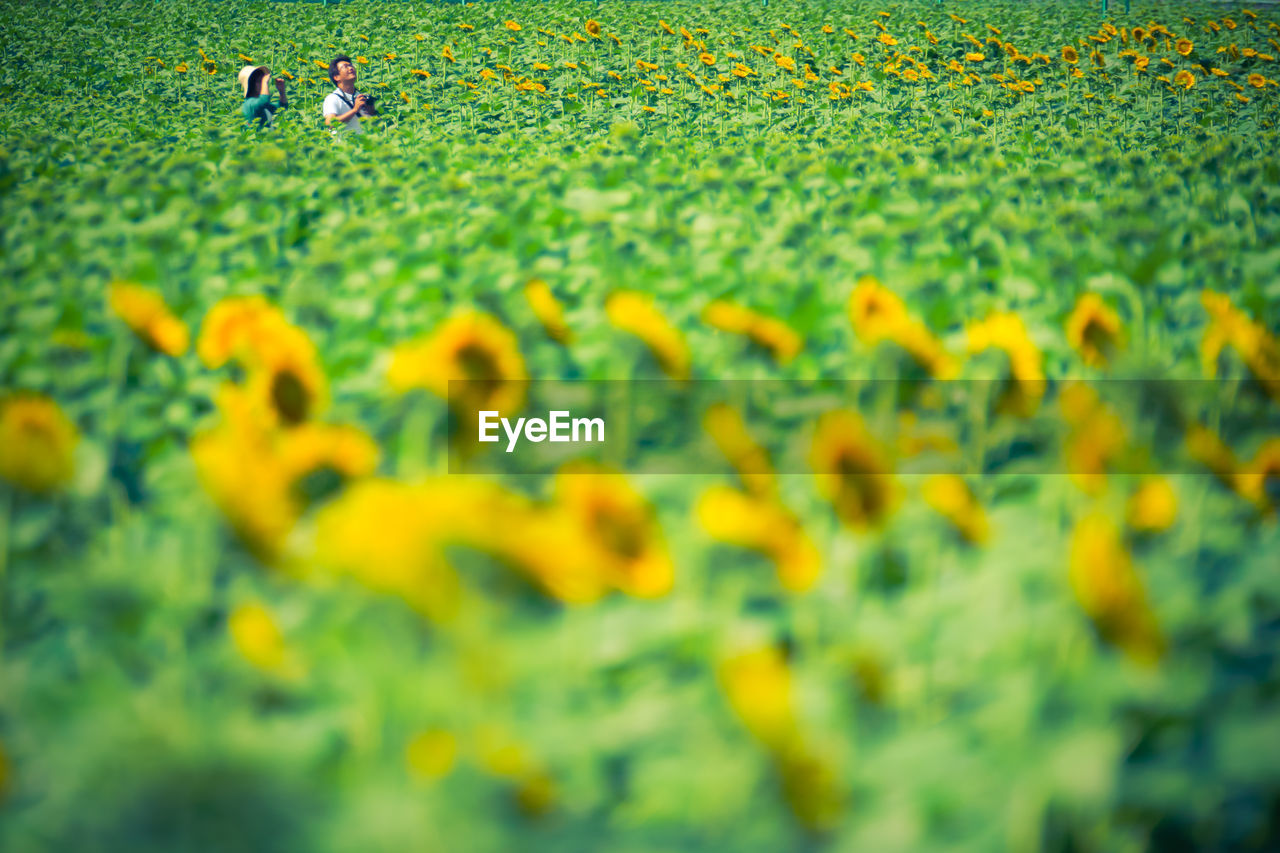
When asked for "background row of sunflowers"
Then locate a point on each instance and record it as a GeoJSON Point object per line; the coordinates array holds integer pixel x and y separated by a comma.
{"type": "Point", "coordinates": [644, 65]}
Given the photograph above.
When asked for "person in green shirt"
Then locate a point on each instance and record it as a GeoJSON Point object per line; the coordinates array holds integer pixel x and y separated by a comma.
{"type": "Point", "coordinates": [258, 105]}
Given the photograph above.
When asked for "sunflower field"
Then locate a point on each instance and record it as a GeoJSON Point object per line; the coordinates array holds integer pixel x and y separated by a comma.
{"type": "Point", "coordinates": [937, 349]}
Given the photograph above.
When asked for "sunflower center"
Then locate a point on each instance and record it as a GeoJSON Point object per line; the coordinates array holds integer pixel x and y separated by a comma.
{"type": "Point", "coordinates": [289, 396]}
{"type": "Point", "coordinates": [480, 369]}
{"type": "Point", "coordinates": [861, 493]}
{"type": "Point", "coordinates": [1097, 336]}
{"type": "Point", "coordinates": [621, 534]}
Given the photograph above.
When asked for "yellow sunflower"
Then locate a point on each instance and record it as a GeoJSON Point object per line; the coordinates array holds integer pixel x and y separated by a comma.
{"type": "Point", "coordinates": [1097, 436]}
{"type": "Point", "coordinates": [751, 461]}
{"type": "Point", "coordinates": [390, 537]}
{"type": "Point", "coordinates": [853, 470]}
{"type": "Point", "coordinates": [37, 443]}
{"type": "Point", "coordinates": [1258, 478]}
{"type": "Point", "coordinates": [621, 527]}
{"type": "Point", "coordinates": [238, 470]}
{"type": "Point", "coordinates": [1152, 507]}
{"type": "Point", "coordinates": [1093, 330]}
{"type": "Point", "coordinates": [1006, 332]}
{"type": "Point", "coordinates": [285, 374]}
{"type": "Point", "coordinates": [1109, 590]}
{"type": "Point", "coordinates": [470, 359]}
{"type": "Point", "coordinates": [548, 310]}
{"type": "Point", "coordinates": [1229, 326]}
{"type": "Point", "coordinates": [144, 311]}
{"type": "Point", "coordinates": [233, 328]}
{"type": "Point", "coordinates": [1207, 448]}
{"type": "Point", "coordinates": [763, 525]}
{"type": "Point", "coordinates": [431, 754]}
{"type": "Point", "coordinates": [636, 314]}
{"type": "Point", "coordinates": [765, 331]}
{"type": "Point", "coordinates": [757, 685]}
{"type": "Point", "coordinates": [259, 640]}
{"type": "Point", "coordinates": [875, 311]}
{"type": "Point", "coordinates": [952, 498]}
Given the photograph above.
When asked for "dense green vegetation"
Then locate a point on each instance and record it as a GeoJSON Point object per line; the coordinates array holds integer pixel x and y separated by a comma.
{"type": "Point", "coordinates": [244, 604]}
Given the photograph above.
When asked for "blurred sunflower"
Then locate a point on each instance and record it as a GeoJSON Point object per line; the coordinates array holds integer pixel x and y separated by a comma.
{"type": "Point", "coordinates": [390, 537]}
{"type": "Point", "coordinates": [1093, 330]}
{"type": "Point", "coordinates": [37, 443]}
{"type": "Point", "coordinates": [1152, 507]}
{"type": "Point", "coordinates": [952, 498]}
{"type": "Point", "coordinates": [1108, 589]}
{"type": "Point", "coordinates": [1184, 47]}
{"type": "Point", "coordinates": [765, 331]}
{"type": "Point", "coordinates": [762, 524]}
{"type": "Point", "coordinates": [343, 453]}
{"type": "Point", "coordinates": [431, 754]}
{"type": "Point", "coordinates": [1207, 448]}
{"type": "Point", "coordinates": [1005, 331]}
{"type": "Point", "coordinates": [471, 360]}
{"type": "Point", "coordinates": [878, 314]}
{"type": "Point", "coordinates": [1229, 326]}
{"type": "Point", "coordinates": [547, 309]}
{"type": "Point", "coordinates": [144, 311]}
{"type": "Point", "coordinates": [621, 527]}
{"type": "Point", "coordinates": [236, 468]}
{"type": "Point", "coordinates": [1069, 55]}
{"type": "Point", "coordinates": [233, 329]}
{"type": "Point", "coordinates": [1096, 436]}
{"type": "Point", "coordinates": [259, 640]}
{"type": "Point", "coordinates": [758, 687]}
{"type": "Point", "coordinates": [751, 461]}
{"type": "Point", "coordinates": [636, 314]}
{"type": "Point", "coordinates": [547, 544]}
{"type": "Point", "coordinates": [1258, 479]}
{"type": "Point", "coordinates": [875, 311]}
{"type": "Point", "coordinates": [285, 374]}
{"type": "Point", "coordinates": [853, 470]}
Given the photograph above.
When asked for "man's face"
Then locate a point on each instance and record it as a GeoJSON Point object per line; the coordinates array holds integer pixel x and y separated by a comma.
{"type": "Point", "coordinates": [346, 73]}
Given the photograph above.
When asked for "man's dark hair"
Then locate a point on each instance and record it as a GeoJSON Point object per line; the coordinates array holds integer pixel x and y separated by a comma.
{"type": "Point", "coordinates": [333, 67]}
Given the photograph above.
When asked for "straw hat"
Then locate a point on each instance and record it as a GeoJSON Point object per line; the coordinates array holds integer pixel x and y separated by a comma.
{"type": "Point", "coordinates": [246, 73]}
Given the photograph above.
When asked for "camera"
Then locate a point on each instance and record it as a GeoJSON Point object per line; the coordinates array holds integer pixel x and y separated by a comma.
{"type": "Point", "coordinates": [369, 107]}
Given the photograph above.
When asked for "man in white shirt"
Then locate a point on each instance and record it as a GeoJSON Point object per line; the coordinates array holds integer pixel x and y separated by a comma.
{"type": "Point", "coordinates": [344, 104]}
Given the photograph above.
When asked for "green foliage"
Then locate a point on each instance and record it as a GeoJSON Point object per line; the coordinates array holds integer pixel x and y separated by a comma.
{"type": "Point", "coordinates": [1000, 717]}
